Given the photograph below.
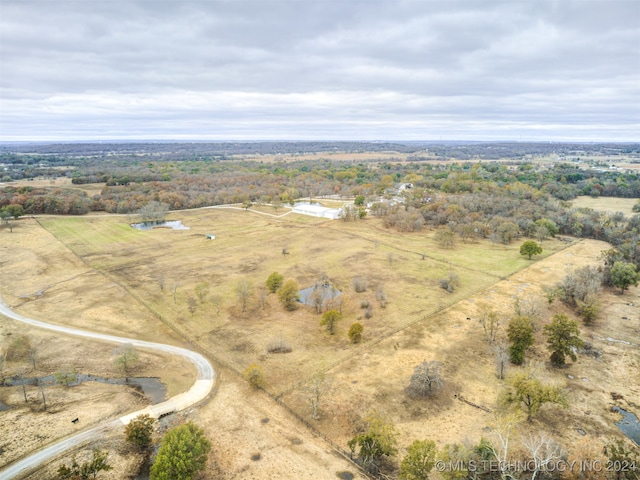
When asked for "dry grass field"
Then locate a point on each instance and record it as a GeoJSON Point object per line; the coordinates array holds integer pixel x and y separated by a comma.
{"type": "Point", "coordinates": [606, 204]}
{"type": "Point", "coordinates": [100, 274]}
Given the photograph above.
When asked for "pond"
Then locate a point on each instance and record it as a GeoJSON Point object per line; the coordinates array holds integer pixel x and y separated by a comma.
{"type": "Point", "coordinates": [629, 425]}
{"type": "Point", "coordinates": [152, 387]}
{"type": "Point", "coordinates": [173, 224]}
{"type": "Point", "coordinates": [321, 292]}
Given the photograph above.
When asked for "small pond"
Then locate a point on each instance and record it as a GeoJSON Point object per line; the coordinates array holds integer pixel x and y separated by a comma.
{"type": "Point", "coordinates": [629, 425]}
{"type": "Point", "coordinates": [153, 388]}
{"type": "Point", "coordinates": [173, 224]}
{"type": "Point", "coordinates": [323, 292]}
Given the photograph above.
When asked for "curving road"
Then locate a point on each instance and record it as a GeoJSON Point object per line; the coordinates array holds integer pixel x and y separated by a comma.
{"type": "Point", "coordinates": [199, 391]}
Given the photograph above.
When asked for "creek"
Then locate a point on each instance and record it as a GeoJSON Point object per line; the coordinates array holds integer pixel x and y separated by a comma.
{"type": "Point", "coordinates": [152, 387]}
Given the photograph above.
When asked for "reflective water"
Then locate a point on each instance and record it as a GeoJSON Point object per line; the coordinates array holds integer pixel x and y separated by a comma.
{"type": "Point", "coordinates": [174, 224]}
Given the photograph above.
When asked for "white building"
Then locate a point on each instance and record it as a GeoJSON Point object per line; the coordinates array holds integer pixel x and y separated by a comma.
{"type": "Point", "coordinates": [317, 211]}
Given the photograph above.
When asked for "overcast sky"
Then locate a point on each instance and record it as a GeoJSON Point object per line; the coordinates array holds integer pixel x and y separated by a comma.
{"type": "Point", "coordinates": [324, 69]}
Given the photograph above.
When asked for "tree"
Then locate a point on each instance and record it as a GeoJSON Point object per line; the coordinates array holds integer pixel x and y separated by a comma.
{"type": "Point", "coordinates": [329, 320]}
{"type": "Point", "coordinates": [317, 388]}
{"type": "Point", "coordinates": [359, 201]}
{"type": "Point", "coordinates": [202, 290]}
{"type": "Point", "coordinates": [530, 248]}
{"type": "Point", "coordinates": [288, 295]}
{"type": "Point", "coordinates": [98, 463]}
{"type": "Point", "coordinates": [192, 305]}
{"type": "Point", "coordinates": [520, 334]}
{"type": "Point", "coordinates": [529, 393]}
{"type": "Point", "coordinates": [355, 332]}
{"type": "Point", "coordinates": [623, 275]}
{"type": "Point", "coordinates": [502, 360]}
{"type": "Point", "coordinates": [543, 451]}
{"type": "Point", "coordinates": [139, 431]}
{"type": "Point", "coordinates": [254, 374]}
{"type": "Point", "coordinates": [426, 379]}
{"type": "Point", "coordinates": [490, 322]}
{"type": "Point", "coordinates": [153, 212]}
{"type": "Point", "coordinates": [620, 456]}
{"type": "Point", "coordinates": [445, 238]}
{"type": "Point", "coordinates": [419, 461]}
{"type": "Point", "coordinates": [562, 338]}
{"type": "Point", "coordinates": [244, 291]}
{"type": "Point", "coordinates": [274, 282]}
{"type": "Point", "coordinates": [66, 376]}
{"type": "Point", "coordinates": [378, 439]}
{"type": "Point", "coordinates": [182, 454]}
{"type": "Point", "coordinates": [6, 219]}
{"type": "Point", "coordinates": [15, 210]}
{"type": "Point", "coordinates": [126, 358]}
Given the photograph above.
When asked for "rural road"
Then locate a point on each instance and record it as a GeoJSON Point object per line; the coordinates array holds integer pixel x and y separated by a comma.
{"type": "Point", "coordinates": [199, 391]}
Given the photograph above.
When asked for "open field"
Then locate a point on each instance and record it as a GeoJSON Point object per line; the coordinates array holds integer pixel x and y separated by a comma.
{"type": "Point", "coordinates": [59, 269]}
{"type": "Point", "coordinates": [606, 204]}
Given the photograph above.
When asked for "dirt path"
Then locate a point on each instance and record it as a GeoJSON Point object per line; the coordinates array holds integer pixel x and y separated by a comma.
{"type": "Point", "coordinates": [198, 392]}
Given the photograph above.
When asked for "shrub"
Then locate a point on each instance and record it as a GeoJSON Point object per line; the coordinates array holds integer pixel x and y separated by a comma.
{"type": "Point", "coordinates": [359, 284]}
{"type": "Point", "coordinates": [254, 374]}
{"type": "Point", "coordinates": [355, 332]}
{"type": "Point", "coordinates": [279, 345]}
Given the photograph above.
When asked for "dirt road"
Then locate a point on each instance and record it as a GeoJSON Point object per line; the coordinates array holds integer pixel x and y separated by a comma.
{"type": "Point", "coordinates": [198, 392]}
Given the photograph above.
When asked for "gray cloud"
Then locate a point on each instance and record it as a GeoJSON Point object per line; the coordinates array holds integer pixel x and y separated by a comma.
{"type": "Point", "coordinates": [267, 69]}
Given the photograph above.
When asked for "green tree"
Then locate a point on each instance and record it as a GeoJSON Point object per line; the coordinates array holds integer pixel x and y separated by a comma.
{"type": "Point", "coordinates": [529, 393]}
{"type": "Point", "coordinates": [378, 439]}
{"type": "Point", "coordinates": [126, 358]}
{"type": "Point", "coordinates": [550, 225]}
{"type": "Point", "coordinates": [288, 295]}
{"type": "Point", "coordinates": [330, 319]}
{"type": "Point", "coordinates": [355, 332]}
{"type": "Point", "coordinates": [530, 248]}
{"type": "Point", "coordinates": [563, 336]}
{"type": "Point", "coordinates": [274, 282]}
{"type": "Point", "coordinates": [520, 334]}
{"type": "Point", "coordinates": [139, 431]}
{"type": "Point", "coordinates": [15, 210]}
{"type": "Point", "coordinates": [254, 374]}
{"type": "Point", "coordinates": [419, 461]}
{"type": "Point", "coordinates": [359, 200]}
{"type": "Point", "coordinates": [623, 275]}
{"type": "Point", "coordinates": [182, 454]}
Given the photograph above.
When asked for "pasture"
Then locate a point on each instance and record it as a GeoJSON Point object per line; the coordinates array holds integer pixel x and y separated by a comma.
{"type": "Point", "coordinates": [99, 273]}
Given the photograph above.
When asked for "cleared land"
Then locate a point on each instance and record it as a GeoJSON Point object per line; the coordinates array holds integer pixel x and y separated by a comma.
{"type": "Point", "coordinates": [606, 204]}
{"type": "Point", "coordinates": [148, 278]}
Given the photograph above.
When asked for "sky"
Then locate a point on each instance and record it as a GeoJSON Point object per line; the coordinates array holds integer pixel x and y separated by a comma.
{"type": "Point", "coordinates": [515, 70]}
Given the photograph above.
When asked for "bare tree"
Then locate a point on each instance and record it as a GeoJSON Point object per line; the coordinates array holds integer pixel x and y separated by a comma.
{"type": "Point", "coordinates": [126, 358]}
{"type": "Point", "coordinates": [502, 361]}
{"type": "Point", "coordinates": [161, 283]}
{"type": "Point", "coordinates": [41, 389]}
{"type": "Point", "coordinates": [489, 320]}
{"type": "Point", "coordinates": [530, 306]}
{"type": "Point", "coordinates": [174, 289]}
{"type": "Point", "coordinates": [244, 291]}
{"type": "Point", "coordinates": [503, 428]}
{"type": "Point", "coordinates": [426, 379]}
{"type": "Point", "coordinates": [317, 388]}
{"type": "Point", "coordinates": [542, 450]}
{"type": "Point", "coordinates": [192, 305]}
{"type": "Point", "coordinates": [202, 290]}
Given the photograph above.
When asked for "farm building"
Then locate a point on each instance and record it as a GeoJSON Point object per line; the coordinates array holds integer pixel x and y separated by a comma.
{"type": "Point", "coordinates": [317, 211]}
